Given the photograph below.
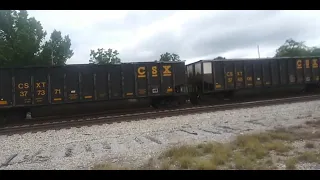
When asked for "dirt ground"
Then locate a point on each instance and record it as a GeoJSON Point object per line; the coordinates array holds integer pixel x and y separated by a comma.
{"type": "Point", "coordinates": [291, 148]}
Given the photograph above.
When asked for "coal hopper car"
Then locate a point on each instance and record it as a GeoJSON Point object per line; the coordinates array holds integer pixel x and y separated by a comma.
{"type": "Point", "coordinates": [44, 91]}
{"type": "Point", "coordinates": [225, 77]}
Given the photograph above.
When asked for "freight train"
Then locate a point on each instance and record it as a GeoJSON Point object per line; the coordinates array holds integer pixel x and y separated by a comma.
{"type": "Point", "coordinates": [42, 91]}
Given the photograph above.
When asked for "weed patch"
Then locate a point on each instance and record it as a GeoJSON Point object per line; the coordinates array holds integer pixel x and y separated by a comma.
{"type": "Point", "coordinates": [291, 163]}
{"type": "Point", "coordinates": [309, 145]}
{"type": "Point", "coordinates": [311, 157]}
{"type": "Point", "coordinates": [254, 151]}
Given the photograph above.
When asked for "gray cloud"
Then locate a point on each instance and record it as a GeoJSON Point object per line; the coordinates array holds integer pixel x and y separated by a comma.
{"type": "Point", "coordinates": [200, 34]}
{"type": "Point", "coordinates": [133, 20]}
{"type": "Point", "coordinates": [229, 31]}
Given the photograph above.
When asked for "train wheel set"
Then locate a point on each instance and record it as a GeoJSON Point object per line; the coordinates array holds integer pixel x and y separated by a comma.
{"type": "Point", "coordinates": [28, 92]}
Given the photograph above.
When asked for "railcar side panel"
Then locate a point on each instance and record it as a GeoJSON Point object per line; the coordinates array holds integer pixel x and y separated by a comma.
{"type": "Point", "coordinates": [257, 69]}
{"type": "Point", "coordinates": [275, 73]}
{"type": "Point", "coordinates": [307, 71]}
{"type": "Point", "coordinates": [101, 83]}
{"type": "Point", "coordinates": [180, 75]}
{"type": "Point", "coordinates": [299, 70]}
{"type": "Point", "coordinates": [249, 74]}
{"type": "Point", "coordinates": [229, 74]}
{"type": "Point", "coordinates": [197, 78]}
{"type": "Point", "coordinates": [141, 83]}
{"type": "Point", "coordinates": [218, 75]}
{"type": "Point", "coordinates": [128, 80]}
{"type": "Point", "coordinates": [72, 84]}
{"type": "Point", "coordinates": [190, 77]}
{"type": "Point", "coordinates": [283, 69]}
{"type": "Point", "coordinates": [154, 79]}
{"type": "Point", "coordinates": [266, 73]}
{"type": "Point", "coordinates": [115, 80]}
{"type": "Point", "coordinates": [57, 81]}
{"type": "Point", "coordinates": [292, 71]}
{"type": "Point", "coordinates": [239, 68]}
{"type": "Point", "coordinates": [315, 70]}
{"type": "Point", "coordinates": [5, 87]}
{"type": "Point", "coordinates": [23, 86]}
{"type": "Point", "coordinates": [190, 70]}
{"type": "Point", "coordinates": [40, 86]}
{"type": "Point", "coordinates": [167, 84]}
{"type": "Point", "coordinates": [87, 83]}
{"type": "Point", "coordinates": [207, 77]}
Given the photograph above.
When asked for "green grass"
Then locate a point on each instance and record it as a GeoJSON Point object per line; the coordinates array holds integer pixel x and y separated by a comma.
{"type": "Point", "coordinates": [108, 166]}
{"type": "Point", "coordinates": [245, 152]}
{"type": "Point", "coordinates": [253, 151]}
{"type": "Point", "coordinates": [309, 156]}
{"type": "Point", "coordinates": [291, 163]}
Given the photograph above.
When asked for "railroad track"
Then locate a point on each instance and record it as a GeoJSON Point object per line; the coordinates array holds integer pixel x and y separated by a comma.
{"type": "Point", "coordinates": [152, 114]}
{"type": "Point", "coordinates": [113, 112]}
{"type": "Point", "coordinates": [80, 115]}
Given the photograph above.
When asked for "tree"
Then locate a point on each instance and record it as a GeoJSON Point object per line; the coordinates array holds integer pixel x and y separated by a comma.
{"type": "Point", "coordinates": [101, 56]}
{"type": "Point", "coordinates": [22, 41]}
{"type": "Point", "coordinates": [57, 50]}
{"type": "Point", "coordinates": [219, 57]}
{"type": "Point", "coordinates": [315, 51]}
{"type": "Point", "coordinates": [20, 38]}
{"type": "Point", "coordinates": [293, 48]}
{"type": "Point", "coordinates": [169, 57]}
{"type": "Point", "coordinates": [175, 57]}
{"type": "Point", "coordinates": [165, 57]}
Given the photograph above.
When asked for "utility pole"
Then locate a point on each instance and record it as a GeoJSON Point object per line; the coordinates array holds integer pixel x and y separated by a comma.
{"type": "Point", "coordinates": [258, 52]}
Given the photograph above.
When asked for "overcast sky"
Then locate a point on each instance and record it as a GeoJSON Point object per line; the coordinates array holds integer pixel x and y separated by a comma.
{"type": "Point", "coordinates": [194, 35]}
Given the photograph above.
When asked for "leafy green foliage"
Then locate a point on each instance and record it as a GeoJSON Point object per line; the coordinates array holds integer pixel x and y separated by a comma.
{"type": "Point", "coordinates": [169, 57]}
{"type": "Point", "coordinates": [22, 41]}
{"type": "Point", "coordinates": [102, 56]}
{"type": "Point", "coordinates": [292, 48]}
{"type": "Point", "coordinates": [57, 50]}
{"type": "Point", "coordinates": [219, 57]}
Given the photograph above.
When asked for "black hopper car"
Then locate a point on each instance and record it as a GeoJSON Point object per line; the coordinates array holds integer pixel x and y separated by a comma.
{"type": "Point", "coordinates": [227, 77]}
{"type": "Point", "coordinates": [45, 91]}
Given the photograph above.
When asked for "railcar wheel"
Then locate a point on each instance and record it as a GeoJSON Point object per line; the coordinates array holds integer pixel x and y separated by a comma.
{"type": "Point", "coordinates": [155, 103]}
{"type": "Point", "coordinates": [229, 95]}
{"type": "Point", "coordinates": [181, 101]}
{"type": "Point", "coordinates": [174, 103]}
{"type": "Point", "coordinates": [194, 99]}
{"type": "Point", "coordinates": [312, 87]}
{"type": "Point", "coordinates": [16, 116]}
{"type": "Point", "coordinates": [2, 119]}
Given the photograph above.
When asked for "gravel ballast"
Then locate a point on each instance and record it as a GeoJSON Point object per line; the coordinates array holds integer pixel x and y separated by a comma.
{"type": "Point", "coordinates": [137, 141]}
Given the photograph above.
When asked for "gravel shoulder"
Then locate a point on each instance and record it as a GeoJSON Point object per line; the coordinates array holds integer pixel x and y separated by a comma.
{"type": "Point", "coordinates": [294, 147]}
{"type": "Point", "coordinates": [134, 143]}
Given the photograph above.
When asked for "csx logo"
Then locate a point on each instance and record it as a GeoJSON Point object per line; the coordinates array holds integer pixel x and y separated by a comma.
{"type": "Point", "coordinates": [23, 85]}
{"type": "Point", "coordinates": [314, 63]}
{"type": "Point", "coordinates": [141, 72]}
{"type": "Point", "coordinates": [154, 71]}
{"type": "Point", "coordinates": [307, 63]}
{"type": "Point", "coordinates": [40, 84]}
{"type": "Point", "coordinates": [166, 70]}
{"type": "Point", "coordinates": [229, 74]}
{"type": "Point", "coordinates": [299, 64]}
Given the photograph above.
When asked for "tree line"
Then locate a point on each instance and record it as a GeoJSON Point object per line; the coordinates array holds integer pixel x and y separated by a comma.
{"type": "Point", "coordinates": [292, 48]}
{"type": "Point", "coordinates": [22, 43]}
